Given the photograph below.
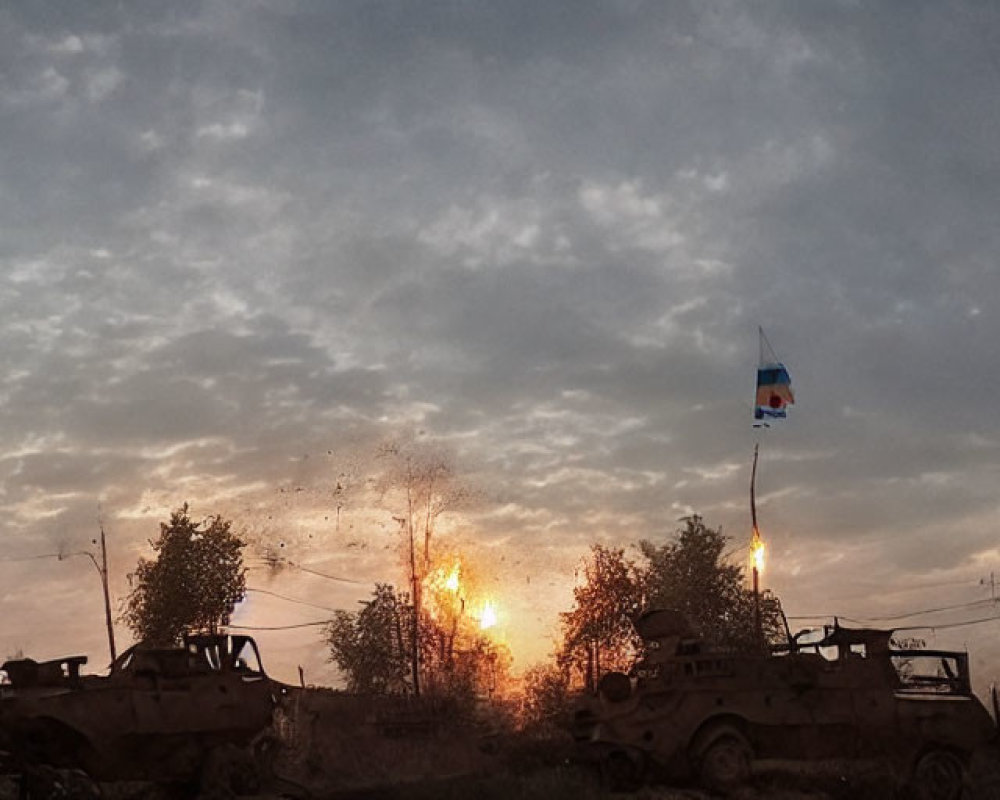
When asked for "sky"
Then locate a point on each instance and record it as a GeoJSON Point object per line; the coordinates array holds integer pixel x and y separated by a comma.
{"type": "Point", "coordinates": [242, 245]}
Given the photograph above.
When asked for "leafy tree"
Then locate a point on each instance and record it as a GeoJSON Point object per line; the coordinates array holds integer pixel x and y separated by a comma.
{"type": "Point", "coordinates": [597, 633]}
{"type": "Point", "coordinates": [463, 663]}
{"type": "Point", "coordinates": [690, 575]}
{"type": "Point", "coordinates": [372, 647]}
{"type": "Point", "coordinates": [193, 584]}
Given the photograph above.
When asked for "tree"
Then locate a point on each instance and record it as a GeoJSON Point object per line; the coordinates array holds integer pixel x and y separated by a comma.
{"type": "Point", "coordinates": [419, 485]}
{"type": "Point", "coordinates": [372, 647]}
{"type": "Point", "coordinates": [433, 626]}
{"type": "Point", "coordinates": [193, 584]}
{"type": "Point", "coordinates": [598, 634]}
{"type": "Point", "coordinates": [690, 575]}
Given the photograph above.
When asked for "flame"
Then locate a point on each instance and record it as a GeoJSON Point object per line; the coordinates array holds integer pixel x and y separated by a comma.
{"type": "Point", "coordinates": [451, 594]}
{"type": "Point", "coordinates": [757, 552]}
{"type": "Point", "coordinates": [487, 617]}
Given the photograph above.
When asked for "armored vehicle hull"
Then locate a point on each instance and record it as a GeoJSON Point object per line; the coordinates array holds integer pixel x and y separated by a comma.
{"type": "Point", "coordinates": [158, 715]}
{"type": "Point", "coordinates": [691, 711]}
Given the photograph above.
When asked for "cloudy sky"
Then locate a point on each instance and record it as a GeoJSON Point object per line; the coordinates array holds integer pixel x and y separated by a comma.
{"type": "Point", "coordinates": [243, 243]}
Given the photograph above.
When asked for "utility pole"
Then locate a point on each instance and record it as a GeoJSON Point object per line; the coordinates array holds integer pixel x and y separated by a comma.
{"type": "Point", "coordinates": [993, 586]}
{"type": "Point", "coordinates": [406, 524]}
{"type": "Point", "coordinates": [107, 593]}
{"type": "Point", "coordinates": [102, 571]}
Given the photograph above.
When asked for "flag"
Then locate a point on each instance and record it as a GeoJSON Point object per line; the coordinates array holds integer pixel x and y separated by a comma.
{"type": "Point", "coordinates": [774, 391]}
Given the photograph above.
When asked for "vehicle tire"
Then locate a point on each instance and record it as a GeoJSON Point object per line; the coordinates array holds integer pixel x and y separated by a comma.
{"type": "Point", "coordinates": [938, 775]}
{"type": "Point", "coordinates": [623, 772]}
{"type": "Point", "coordinates": [615, 687]}
{"type": "Point", "coordinates": [44, 783]}
{"type": "Point", "coordinates": [724, 765]}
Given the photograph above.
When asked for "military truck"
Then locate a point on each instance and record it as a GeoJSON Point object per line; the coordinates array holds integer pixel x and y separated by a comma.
{"type": "Point", "coordinates": [690, 710]}
{"type": "Point", "coordinates": [161, 714]}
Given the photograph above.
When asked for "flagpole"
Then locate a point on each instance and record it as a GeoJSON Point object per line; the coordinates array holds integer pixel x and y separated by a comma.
{"type": "Point", "coordinates": [753, 546]}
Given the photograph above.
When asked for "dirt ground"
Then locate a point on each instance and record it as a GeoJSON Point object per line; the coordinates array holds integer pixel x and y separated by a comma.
{"type": "Point", "coordinates": [344, 747]}
{"type": "Point", "coordinates": [353, 748]}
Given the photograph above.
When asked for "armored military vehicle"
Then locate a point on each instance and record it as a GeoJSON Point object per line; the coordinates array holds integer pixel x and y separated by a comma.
{"type": "Point", "coordinates": [691, 710]}
{"type": "Point", "coordinates": [162, 714]}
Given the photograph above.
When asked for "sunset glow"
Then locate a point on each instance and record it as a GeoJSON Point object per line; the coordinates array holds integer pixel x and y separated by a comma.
{"type": "Point", "coordinates": [376, 289]}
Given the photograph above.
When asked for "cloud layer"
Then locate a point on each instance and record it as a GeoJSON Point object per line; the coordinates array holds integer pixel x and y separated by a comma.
{"type": "Point", "coordinates": [241, 244]}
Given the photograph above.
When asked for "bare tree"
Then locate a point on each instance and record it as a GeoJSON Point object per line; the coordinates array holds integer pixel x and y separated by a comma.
{"type": "Point", "coordinates": [417, 485]}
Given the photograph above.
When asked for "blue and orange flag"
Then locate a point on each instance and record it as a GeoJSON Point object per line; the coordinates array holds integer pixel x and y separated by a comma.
{"type": "Point", "coordinates": [774, 386]}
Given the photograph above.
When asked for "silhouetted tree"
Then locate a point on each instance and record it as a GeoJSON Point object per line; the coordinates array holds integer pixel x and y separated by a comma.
{"type": "Point", "coordinates": [689, 574]}
{"type": "Point", "coordinates": [372, 647]}
{"type": "Point", "coordinates": [417, 485]}
{"type": "Point", "coordinates": [597, 633]}
{"type": "Point", "coordinates": [193, 584]}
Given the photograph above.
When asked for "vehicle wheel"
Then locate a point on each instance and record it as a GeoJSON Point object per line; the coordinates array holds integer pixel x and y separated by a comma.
{"type": "Point", "coordinates": [622, 772]}
{"type": "Point", "coordinates": [939, 775]}
{"type": "Point", "coordinates": [43, 783]}
{"type": "Point", "coordinates": [615, 687]}
{"type": "Point", "coordinates": [725, 763]}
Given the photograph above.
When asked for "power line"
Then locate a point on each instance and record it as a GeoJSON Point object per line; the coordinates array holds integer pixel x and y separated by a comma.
{"type": "Point", "coordinates": [933, 627]}
{"type": "Point", "coordinates": [907, 589]}
{"type": "Point", "coordinates": [328, 576]}
{"type": "Point", "coordinates": [60, 556]}
{"type": "Point", "coordinates": [974, 603]}
{"type": "Point", "coordinates": [278, 627]}
{"type": "Point", "coordinates": [949, 625]}
{"type": "Point", "coordinates": [290, 599]}
{"type": "Point", "coordinates": [863, 620]}
{"type": "Point", "coordinates": [286, 563]}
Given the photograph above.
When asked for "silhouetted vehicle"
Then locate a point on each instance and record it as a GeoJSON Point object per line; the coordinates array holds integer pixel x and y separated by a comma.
{"type": "Point", "coordinates": [690, 710]}
{"type": "Point", "coordinates": [162, 714]}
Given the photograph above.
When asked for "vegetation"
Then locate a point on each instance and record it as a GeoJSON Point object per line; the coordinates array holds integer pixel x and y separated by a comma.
{"type": "Point", "coordinates": [428, 639]}
{"type": "Point", "coordinates": [689, 574]}
{"type": "Point", "coordinates": [546, 698]}
{"type": "Point", "coordinates": [597, 633]}
{"type": "Point", "coordinates": [372, 647]}
{"type": "Point", "coordinates": [193, 584]}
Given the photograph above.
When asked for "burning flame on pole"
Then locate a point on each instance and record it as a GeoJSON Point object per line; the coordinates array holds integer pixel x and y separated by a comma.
{"type": "Point", "coordinates": [757, 552]}
{"type": "Point", "coordinates": [756, 548]}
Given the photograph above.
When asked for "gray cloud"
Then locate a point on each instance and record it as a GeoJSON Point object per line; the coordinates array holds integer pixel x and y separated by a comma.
{"type": "Point", "coordinates": [242, 245]}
